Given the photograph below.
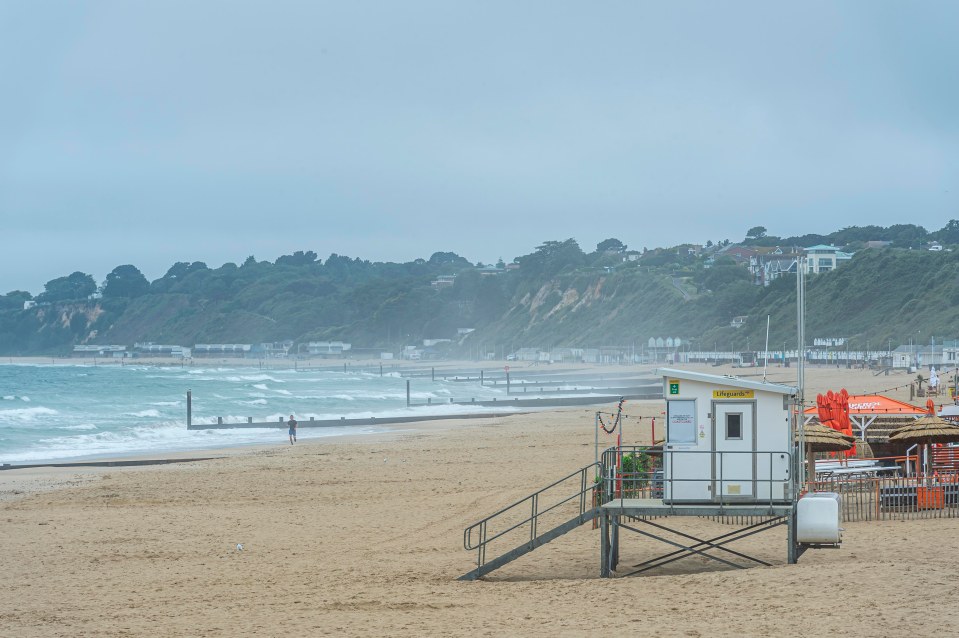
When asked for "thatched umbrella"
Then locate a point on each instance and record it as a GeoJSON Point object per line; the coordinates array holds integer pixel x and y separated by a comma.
{"type": "Point", "coordinates": [928, 429]}
{"type": "Point", "coordinates": [820, 438]}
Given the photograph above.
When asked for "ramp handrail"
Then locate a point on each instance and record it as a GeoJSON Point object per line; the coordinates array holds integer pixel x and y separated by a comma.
{"type": "Point", "coordinates": [586, 483]}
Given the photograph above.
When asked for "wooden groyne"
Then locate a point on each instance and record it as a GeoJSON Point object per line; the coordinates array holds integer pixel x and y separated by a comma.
{"type": "Point", "coordinates": [509, 407]}
{"type": "Point", "coordinates": [113, 463]}
{"type": "Point", "coordinates": [534, 394]}
{"type": "Point", "coordinates": [343, 422]}
{"type": "Point", "coordinates": [550, 402]}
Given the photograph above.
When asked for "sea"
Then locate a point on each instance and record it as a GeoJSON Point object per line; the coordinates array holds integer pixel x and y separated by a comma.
{"type": "Point", "coordinates": [59, 413]}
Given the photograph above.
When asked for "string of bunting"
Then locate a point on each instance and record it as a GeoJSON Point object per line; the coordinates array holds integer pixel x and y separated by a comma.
{"type": "Point", "coordinates": [615, 423]}
{"type": "Point", "coordinates": [906, 385]}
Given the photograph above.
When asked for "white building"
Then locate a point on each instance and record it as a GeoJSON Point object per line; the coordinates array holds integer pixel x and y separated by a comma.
{"type": "Point", "coordinates": [327, 348]}
{"type": "Point", "coordinates": [114, 351]}
{"type": "Point", "coordinates": [151, 349]}
{"type": "Point", "coordinates": [221, 349]}
{"type": "Point", "coordinates": [824, 258]}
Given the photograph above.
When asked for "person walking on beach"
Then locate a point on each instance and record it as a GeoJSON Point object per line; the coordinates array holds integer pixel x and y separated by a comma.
{"type": "Point", "coordinates": [292, 424]}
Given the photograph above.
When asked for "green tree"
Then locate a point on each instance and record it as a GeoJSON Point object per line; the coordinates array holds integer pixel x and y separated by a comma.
{"type": "Point", "coordinates": [181, 269]}
{"type": "Point", "coordinates": [75, 286]}
{"type": "Point", "coordinates": [733, 298]}
{"type": "Point", "coordinates": [611, 244]}
{"type": "Point", "coordinates": [299, 258]}
{"type": "Point", "coordinates": [552, 258]}
{"type": "Point", "coordinates": [756, 232]}
{"type": "Point", "coordinates": [723, 273]}
{"type": "Point", "coordinates": [448, 259]}
{"type": "Point", "coordinates": [14, 300]}
{"type": "Point", "coordinates": [659, 257]}
{"type": "Point", "coordinates": [948, 234]}
{"type": "Point", "coordinates": [125, 281]}
{"type": "Point", "coordinates": [906, 235]}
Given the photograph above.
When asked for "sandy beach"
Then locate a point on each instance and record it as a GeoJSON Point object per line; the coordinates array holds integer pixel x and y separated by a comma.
{"type": "Point", "coordinates": [362, 536]}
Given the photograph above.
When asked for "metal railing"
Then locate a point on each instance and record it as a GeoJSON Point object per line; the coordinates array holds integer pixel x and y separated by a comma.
{"type": "Point", "coordinates": [623, 472]}
{"type": "Point", "coordinates": [894, 498]}
{"type": "Point", "coordinates": [527, 511]}
{"type": "Point", "coordinates": [631, 472]}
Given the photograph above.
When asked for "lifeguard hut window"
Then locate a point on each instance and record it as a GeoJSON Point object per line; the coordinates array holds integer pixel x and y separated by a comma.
{"type": "Point", "coordinates": [734, 426]}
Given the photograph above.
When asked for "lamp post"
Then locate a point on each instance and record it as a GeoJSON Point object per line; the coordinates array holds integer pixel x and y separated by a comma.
{"type": "Point", "coordinates": [916, 353]}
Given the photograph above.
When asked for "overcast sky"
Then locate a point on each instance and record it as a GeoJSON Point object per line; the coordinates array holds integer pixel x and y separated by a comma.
{"type": "Point", "coordinates": [155, 132]}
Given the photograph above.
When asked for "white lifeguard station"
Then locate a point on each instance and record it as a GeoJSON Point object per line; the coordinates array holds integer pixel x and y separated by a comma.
{"type": "Point", "coordinates": [729, 454]}
{"type": "Point", "coordinates": [728, 440]}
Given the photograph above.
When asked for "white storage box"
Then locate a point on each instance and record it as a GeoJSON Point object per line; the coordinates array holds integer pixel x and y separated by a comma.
{"type": "Point", "coordinates": [818, 518]}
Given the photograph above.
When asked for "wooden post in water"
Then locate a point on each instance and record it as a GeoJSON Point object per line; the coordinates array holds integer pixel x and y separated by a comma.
{"type": "Point", "coordinates": [407, 393]}
{"type": "Point", "coordinates": [189, 408]}
{"type": "Point", "coordinates": [432, 374]}
{"type": "Point", "coordinates": [481, 378]}
{"type": "Point", "coordinates": [507, 383]}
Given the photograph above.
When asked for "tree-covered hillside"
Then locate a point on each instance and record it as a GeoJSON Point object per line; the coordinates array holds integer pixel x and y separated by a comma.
{"type": "Point", "coordinates": [557, 295]}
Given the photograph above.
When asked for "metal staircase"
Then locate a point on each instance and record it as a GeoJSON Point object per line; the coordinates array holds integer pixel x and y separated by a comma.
{"type": "Point", "coordinates": [552, 507]}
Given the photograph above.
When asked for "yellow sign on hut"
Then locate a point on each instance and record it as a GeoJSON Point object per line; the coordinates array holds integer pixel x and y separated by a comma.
{"type": "Point", "coordinates": [733, 394]}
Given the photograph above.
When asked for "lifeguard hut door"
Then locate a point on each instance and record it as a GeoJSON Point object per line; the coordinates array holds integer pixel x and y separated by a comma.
{"type": "Point", "coordinates": [734, 432]}
{"type": "Point", "coordinates": [686, 460]}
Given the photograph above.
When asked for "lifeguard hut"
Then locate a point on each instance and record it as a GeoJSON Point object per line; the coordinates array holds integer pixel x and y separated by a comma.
{"type": "Point", "coordinates": [729, 452]}
{"type": "Point", "coordinates": [728, 440]}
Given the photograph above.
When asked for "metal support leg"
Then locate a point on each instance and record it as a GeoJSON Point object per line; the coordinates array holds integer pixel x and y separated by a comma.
{"type": "Point", "coordinates": [795, 548]}
{"type": "Point", "coordinates": [604, 545]}
{"type": "Point", "coordinates": [614, 552]}
{"type": "Point", "coordinates": [791, 554]}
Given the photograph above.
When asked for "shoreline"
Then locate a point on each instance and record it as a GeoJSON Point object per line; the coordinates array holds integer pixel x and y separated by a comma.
{"type": "Point", "coordinates": [897, 380]}
{"type": "Point", "coordinates": [424, 423]}
{"type": "Point", "coordinates": [257, 429]}
{"type": "Point", "coordinates": [30, 479]}
{"type": "Point", "coordinates": [348, 364]}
